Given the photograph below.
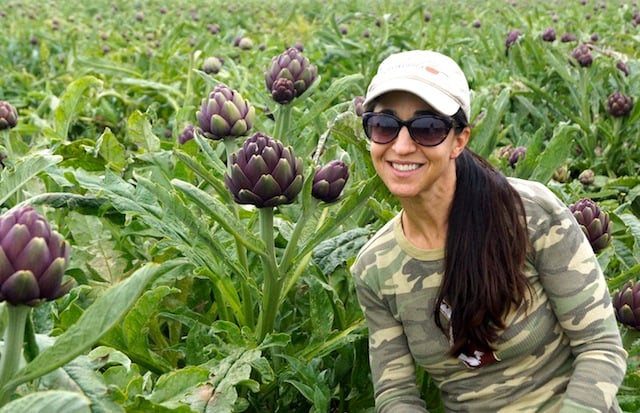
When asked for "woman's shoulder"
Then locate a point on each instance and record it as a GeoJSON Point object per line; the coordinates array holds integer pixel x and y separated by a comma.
{"type": "Point", "coordinates": [537, 196]}
{"type": "Point", "coordinates": [382, 241]}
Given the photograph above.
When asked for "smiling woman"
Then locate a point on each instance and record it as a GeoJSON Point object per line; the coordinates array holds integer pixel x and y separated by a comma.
{"type": "Point", "coordinates": [479, 279]}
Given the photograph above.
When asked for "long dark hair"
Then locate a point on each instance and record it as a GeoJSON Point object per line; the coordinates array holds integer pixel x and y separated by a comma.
{"type": "Point", "coordinates": [485, 252]}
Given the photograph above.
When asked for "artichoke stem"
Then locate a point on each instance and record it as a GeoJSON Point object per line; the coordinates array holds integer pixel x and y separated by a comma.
{"type": "Point", "coordinates": [247, 302]}
{"type": "Point", "coordinates": [13, 342]}
{"type": "Point", "coordinates": [283, 122]}
{"type": "Point", "coordinates": [272, 283]}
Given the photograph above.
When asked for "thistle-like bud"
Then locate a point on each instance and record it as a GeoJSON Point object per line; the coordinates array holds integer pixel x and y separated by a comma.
{"type": "Point", "coordinates": [8, 115]}
{"type": "Point", "coordinates": [225, 114]}
{"type": "Point", "coordinates": [33, 259]}
{"type": "Point", "coordinates": [626, 304]}
{"type": "Point", "coordinates": [549, 34]}
{"type": "Point", "coordinates": [587, 177]}
{"type": "Point", "coordinates": [329, 181]}
{"type": "Point", "coordinates": [358, 105]}
{"type": "Point", "coordinates": [187, 134]}
{"type": "Point", "coordinates": [294, 66]}
{"type": "Point", "coordinates": [582, 54]}
{"type": "Point", "coordinates": [518, 153]}
{"type": "Point", "coordinates": [594, 222]}
{"type": "Point", "coordinates": [619, 104]}
{"type": "Point", "coordinates": [512, 38]}
{"type": "Point", "coordinates": [264, 173]}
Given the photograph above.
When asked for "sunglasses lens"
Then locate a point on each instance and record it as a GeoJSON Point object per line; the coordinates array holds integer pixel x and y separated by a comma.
{"type": "Point", "coordinates": [429, 130]}
{"type": "Point", "coordinates": [381, 128]}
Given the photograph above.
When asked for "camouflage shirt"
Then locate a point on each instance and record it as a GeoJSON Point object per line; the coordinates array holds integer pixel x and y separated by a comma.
{"type": "Point", "coordinates": [563, 354]}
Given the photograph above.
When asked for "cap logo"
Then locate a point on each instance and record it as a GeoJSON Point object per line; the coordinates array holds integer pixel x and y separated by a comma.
{"type": "Point", "coordinates": [432, 70]}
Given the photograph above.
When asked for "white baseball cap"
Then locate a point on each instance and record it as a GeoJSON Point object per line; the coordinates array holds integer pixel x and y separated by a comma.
{"type": "Point", "coordinates": [432, 76]}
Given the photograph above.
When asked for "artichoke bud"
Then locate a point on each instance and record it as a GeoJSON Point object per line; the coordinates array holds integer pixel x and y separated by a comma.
{"type": "Point", "coordinates": [33, 259]}
{"type": "Point", "coordinates": [626, 304]}
{"type": "Point", "coordinates": [8, 115]}
{"type": "Point", "coordinates": [619, 104]}
{"type": "Point", "coordinates": [225, 113]}
{"type": "Point", "coordinates": [290, 65]}
{"type": "Point", "coordinates": [594, 222]}
{"type": "Point", "coordinates": [329, 181]}
{"type": "Point", "coordinates": [264, 173]}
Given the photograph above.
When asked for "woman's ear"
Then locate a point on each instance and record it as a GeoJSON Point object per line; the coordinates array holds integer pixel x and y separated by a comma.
{"type": "Point", "coordinates": [460, 142]}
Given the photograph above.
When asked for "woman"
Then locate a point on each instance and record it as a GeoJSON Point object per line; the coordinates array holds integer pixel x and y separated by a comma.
{"type": "Point", "coordinates": [485, 282]}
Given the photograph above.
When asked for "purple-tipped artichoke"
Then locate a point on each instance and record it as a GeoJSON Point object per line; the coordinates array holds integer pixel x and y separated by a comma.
{"type": "Point", "coordinates": [290, 65]}
{"type": "Point", "coordinates": [622, 66]}
{"type": "Point", "coordinates": [512, 38]}
{"type": "Point", "coordinates": [626, 304]}
{"type": "Point", "coordinates": [225, 113]}
{"type": "Point", "coordinates": [594, 222]}
{"type": "Point", "coordinates": [33, 259]}
{"type": "Point", "coordinates": [329, 181]}
{"type": "Point", "coordinates": [619, 104]}
{"type": "Point", "coordinates": [587, 177]}
{"type": "Point", "coordinates": [8, 115]}
{"type": "Point", "coordinates": [582, 54]}
{"type": "Point", "coordinates": [264, 173]}
{"type": "Point", "coordinates": [211, 65]}
{"type": "Point", "coordinates": [358, 105]}
{"type": "Point", "coordinates": [187, 134]}
{"type": "Point", "coordinates": [549, 34]}
{"type": "Point", "coordinates": [518, 153]}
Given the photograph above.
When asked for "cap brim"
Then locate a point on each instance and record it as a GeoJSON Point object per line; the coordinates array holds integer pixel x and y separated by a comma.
{"type": "Point", "coordinates": [438, 100]}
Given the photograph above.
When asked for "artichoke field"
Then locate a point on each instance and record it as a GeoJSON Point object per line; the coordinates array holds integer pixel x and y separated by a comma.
{"type": "Point", "coordinates": [205, 165]}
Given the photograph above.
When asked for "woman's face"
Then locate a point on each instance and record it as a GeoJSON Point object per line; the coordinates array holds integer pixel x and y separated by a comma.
{"type": "Point", "coordinates": [410, 170]}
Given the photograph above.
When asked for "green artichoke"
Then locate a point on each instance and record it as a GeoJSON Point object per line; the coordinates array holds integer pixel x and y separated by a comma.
{"type": "Point", "coordinates": [594, 222]}
{"type": "Point", "coordinates": [264, 173]}
{"type": "Point", "coordinates": [329, 181]}
{"type": "Point", "coordinates": [8, 115]}
{"type": "Point", "coordinates": [291, 65]}
{"type": "Point", "coordinates": [626, 304]}
{"type": "Point", "coordinates": [33, 259]}
{"type": "Point", "coordinates": [225, 113]}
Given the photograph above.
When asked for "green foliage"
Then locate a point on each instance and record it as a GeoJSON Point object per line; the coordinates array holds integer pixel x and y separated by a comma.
{"type": "Point", "coordinates": [172, 311]}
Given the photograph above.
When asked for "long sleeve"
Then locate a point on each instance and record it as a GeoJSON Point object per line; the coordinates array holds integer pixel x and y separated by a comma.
{"type": "Point", "coordinates": [392, 366]}
{"type": "Point", "coordinates": [580, 299]}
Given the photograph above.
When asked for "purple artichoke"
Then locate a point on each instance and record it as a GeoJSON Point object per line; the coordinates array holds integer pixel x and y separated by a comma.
{"type": "Point", "coordinates": [622, 66]}
{"type": "Point", "coordinates": [264, 173]}
{"type": "Point", "coordinates": [619, 104]}
{"type": "Point", "coordinates": [587, 177]}
{"type": "Point", "coordinates": [549, 34]}
{"type": "Point", "coordinates": [211, 65]}
{"type": "Point", "coordinates": [518, 153]}
{"type": "Point", "coordinates": [358, 106]}
{"type": "Point", "coordinates": [626, 304]}
{"type": "Point", "coordinates": [187, 134]}
{"type": "Point", "coordinates": [291, 65]}
{"type": "Point", "coordinates": [8, 115]}
{"type": "Point", "coordinates": [594, 222]}
{"type": "Point", "coordinates": [512, 38]}
{"type": "Point", "coordinates": [33, 259]}
{"type": "Point", "coordinates": [582, 54]}
{"type": "Point", "coordinates": [225, 114]}
{"type": "Point", "coordinates": [329, 181]}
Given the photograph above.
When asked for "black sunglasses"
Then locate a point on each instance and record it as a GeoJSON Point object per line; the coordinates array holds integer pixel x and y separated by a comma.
{"type": "Point", "coordinates": [425, 130]}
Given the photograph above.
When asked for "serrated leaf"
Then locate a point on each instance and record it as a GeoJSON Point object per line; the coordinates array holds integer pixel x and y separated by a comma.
{"type": "Point", "coordinates": [333, 252]}
{"type": "Point", "coordinates": [101, 316]}
{"type": "Point", "coordinates": [92, 386]}
{"type": "Point", "coordinates": [140, 132]}
{"type": "Point", "coordinates": [69, 102]}
{"type": "Point", "coordinates": [555, 154]}
{"type": "Point", "coordinates": [112, 151]}
{"type": "Point", "coordinates": [14, 179]}
{"type": "Point", "coordinates": [50, 401]}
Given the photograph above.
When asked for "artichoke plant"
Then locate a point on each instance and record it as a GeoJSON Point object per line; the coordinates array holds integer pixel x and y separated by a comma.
{"type": "Point", "coordinates": [33, 259]}
{"type": "Point", "coordinates": [512, 38]}
{"type": "Point", "coordinates": [329, 181]}
{"type": "Point", "coordinates": [291, 65]}
{"type": "Point", "coordinates": [626, 304]}
{"type": "Point", "coordinates": [187, 134]}
{"type": "Point", "coordinates": [8, 115]}
{"type": "Point", "coordinates": [594, 222]}
{"type": "Point", "coordinates": [619, 104]}
{"type": "Point", "coordinates": [225, 113]}
{"type": "Point", "coordinates": [264, 173]}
